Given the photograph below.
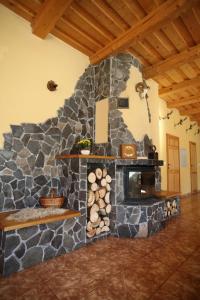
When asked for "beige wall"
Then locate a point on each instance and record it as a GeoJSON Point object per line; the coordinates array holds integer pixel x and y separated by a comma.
{"type": "Point", "coordinates": [27, 63]}
{"type": "Point", "coordinates": [136, 118]}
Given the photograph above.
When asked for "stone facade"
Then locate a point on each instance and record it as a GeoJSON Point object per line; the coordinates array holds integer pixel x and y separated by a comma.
{"type": "Point", "coordinates": [28, 168]}
{"type": "Point", "coordinates": [23, 248]}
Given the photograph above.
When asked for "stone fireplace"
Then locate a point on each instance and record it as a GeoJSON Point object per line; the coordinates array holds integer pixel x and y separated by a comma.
{"type": "Point", "coordinates": [29, 168]}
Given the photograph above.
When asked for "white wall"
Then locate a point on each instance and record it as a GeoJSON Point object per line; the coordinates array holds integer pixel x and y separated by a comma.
{"type": "Point", "coordinates": [27, 63]}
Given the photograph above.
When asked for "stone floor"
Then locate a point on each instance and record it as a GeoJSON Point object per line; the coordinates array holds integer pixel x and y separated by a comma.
{"type": "Point", "coordinates": [165, 266]}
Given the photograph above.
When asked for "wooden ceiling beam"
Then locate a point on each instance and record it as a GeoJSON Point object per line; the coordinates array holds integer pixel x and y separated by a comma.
{"type": "Point", "coordinates": [48, 15]}
{"type": "Point", "coordinates": [173, 61]}
{"type": "Point", "coordinates": [184, 101]}
{"type": "Point", "coordinates": [176, 87]}
{"type": "Point", "coordinates": [91, 21]}
{"type": "Point", "coordinates": [165, 13]}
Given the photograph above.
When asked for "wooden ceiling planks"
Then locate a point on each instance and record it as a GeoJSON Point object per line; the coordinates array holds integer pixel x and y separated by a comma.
{"type": "Point", "coordinates": [169, 52]}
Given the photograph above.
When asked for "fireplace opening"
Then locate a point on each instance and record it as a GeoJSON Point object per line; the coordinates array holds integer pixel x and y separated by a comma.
{"type": "Point", "coordinates": [139, 183]}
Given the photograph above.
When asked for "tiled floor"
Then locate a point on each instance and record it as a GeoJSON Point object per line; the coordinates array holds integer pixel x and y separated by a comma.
{"type": "Point", "coordinates": [165, 266]}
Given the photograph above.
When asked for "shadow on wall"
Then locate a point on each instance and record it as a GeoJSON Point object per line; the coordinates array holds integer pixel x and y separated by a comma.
{"type": "Point", "coordinates": [28, 168]}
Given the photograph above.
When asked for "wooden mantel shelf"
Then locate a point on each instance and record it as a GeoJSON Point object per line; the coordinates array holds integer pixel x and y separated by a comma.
{"type": "Point", "coordinates": [6, 225]}
{"type": "Point", "coordinates": [65, 156]}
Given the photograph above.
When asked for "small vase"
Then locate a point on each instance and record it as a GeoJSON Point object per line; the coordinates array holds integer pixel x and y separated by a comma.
{"type": "Point", "coordinates": [85, 151]}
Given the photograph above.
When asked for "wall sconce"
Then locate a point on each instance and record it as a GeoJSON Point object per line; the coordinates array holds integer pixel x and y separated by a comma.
{"type": "Point", "coordinates": [51, 85]}
{"type": "Point", "coordinates": [142, 88]}
{"type": "Point", "coordinates": [197, 132]}
{"type": "Point", "coordinates": [180, 122]}
{"type": "Point", "coordinates": [191, 126]}
{"type": "Point", "coordinates": [167, 115]}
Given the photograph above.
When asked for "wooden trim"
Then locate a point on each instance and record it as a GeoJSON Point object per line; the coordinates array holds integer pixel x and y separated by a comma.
{"type": "Point", "coordinates": [64, 156]}
{"type": "Point", "coordinates": [184, 101]}
{"type": "Point", "coordinates": [165, 13]}
{"type": "Point", "coordinates": [192, 143]}
{"type": "Point", "coordinates": [173, 136]}
{"type": "Point", "coordinates": [50, 12]}
{"type": "Point", "coordinates": [173, 61]}
{"type": "Point", "coordinates": [6, 225]}
{"type": "Point", "coordinates": [176, 87]}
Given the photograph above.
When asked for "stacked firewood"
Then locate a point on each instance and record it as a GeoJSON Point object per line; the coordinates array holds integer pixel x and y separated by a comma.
{"type": "Point", "coordinates": [98, 202]}
{"type": "Point", "coordinates": [170, 208]}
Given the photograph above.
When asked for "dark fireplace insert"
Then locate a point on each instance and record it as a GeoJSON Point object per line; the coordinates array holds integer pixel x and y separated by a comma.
{"type": "Point", "coordinates": [139, 183]}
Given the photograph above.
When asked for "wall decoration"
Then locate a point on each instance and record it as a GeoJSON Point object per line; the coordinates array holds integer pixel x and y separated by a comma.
{"type": "Point", "coordinates": [51, 85]}
{"type": "Point", "coordinates": [197, 132]}
{"type": "Point", "coordinates": [128, 151]}
{"type": "Point", "coordinates": [167, 116]}
{"type": "Point", "coordinates": [183, 158]}
{"type": "Point", "coordinates": [142, 88]}
{"type": "Point", "coordinates": [122, 103]}
{"type": "Point", "coordinates": [180, 122]}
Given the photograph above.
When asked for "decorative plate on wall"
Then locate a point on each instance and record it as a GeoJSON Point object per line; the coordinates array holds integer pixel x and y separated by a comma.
{"type": "Point", "coordinates": [128, 151]}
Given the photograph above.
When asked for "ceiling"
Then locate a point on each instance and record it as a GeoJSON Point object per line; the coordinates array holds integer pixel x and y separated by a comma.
{"type": "Point", "coordinates": [163, 34]}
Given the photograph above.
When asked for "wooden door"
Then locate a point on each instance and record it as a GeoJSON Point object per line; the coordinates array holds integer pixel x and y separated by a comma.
{"type": "Point", "coordinates": [193, 167]}
{"type": "Point", "coordinates": [173, 164]}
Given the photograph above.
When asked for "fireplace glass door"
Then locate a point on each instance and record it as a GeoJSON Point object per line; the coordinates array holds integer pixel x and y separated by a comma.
{"type": "Point", "coordinates": [139, 183]}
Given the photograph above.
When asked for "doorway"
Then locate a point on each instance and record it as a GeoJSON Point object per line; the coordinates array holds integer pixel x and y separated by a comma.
{"type": "Point", "coordinates": [173, 163]}
{"type": "Point", "coordinates": [193, 167]}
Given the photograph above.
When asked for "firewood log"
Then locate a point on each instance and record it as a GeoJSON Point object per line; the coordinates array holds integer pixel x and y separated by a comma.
{"type": "Point", "coordinates": [96, 195]}
{"type": "Point", "coordinates": [101, 203]}
{"type": "Point", "coordinates": [108, 179]}
{"type": "Point", "coordinates": [102, 192]}
{"type": "Point", "coordinates": [107, 197]}
{"type": "Point", "coordinates": [108, 188]}
{"type": "Point", "coordinates": [91, 177]}
{"type": "Point", "coordinates": [89, 226]}
{"type": "Point", "coordinates": [90, 203]}
{"type": "Point", "coordinates": [108, 208]}
{"type": "Point", "coordinates": [96, 224]}
{"type": "Point", "coordinates": [94, 216]}
{"type": "Point", "coordinates": [91, 198]}
{"type": "Point", "coordinates": [94, 208]}
{"type": "Point", "coordinates": [103, 182]}
{"type": "Point", "coordinates": [98, 173]}
{"type": "Point", "coordinates": [106, 221]}
{"type": "Point", "coordinates": [105, 228]}
{"type": "Point", "coordinates": [91, 233]}
{"type": "Point", "coordinates": [101, 224]}
{"type": "Point", "coordinates": [105, 172]}
{"type": "Point", "coordinates": [98, 231]}
{"type": "Point", "coordinates": [94, 186]}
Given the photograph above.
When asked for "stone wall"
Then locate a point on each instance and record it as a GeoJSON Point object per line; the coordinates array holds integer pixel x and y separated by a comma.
{"type": "Point", "coordinates": [23, 248]}
{"type": "Point", "coordinates": [28, 168]}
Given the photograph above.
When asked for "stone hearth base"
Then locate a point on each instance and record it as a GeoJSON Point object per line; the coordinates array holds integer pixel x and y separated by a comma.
{"type": "Point", "coordinates": [144, 220]}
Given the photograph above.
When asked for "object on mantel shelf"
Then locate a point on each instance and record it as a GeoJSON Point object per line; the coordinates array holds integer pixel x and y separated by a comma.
{"type": "Point", "coordinates": [52, 200]}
